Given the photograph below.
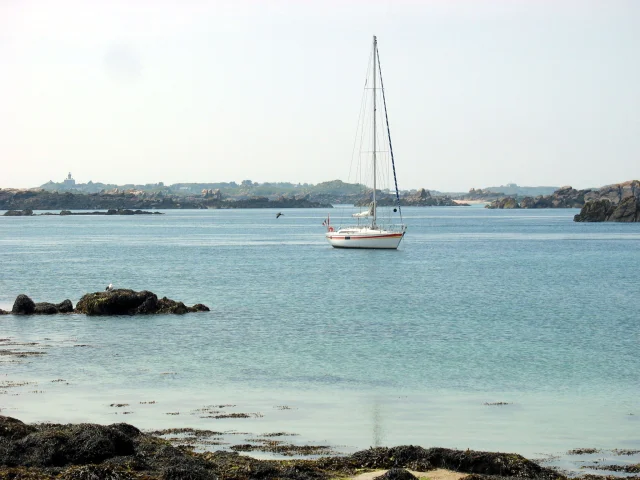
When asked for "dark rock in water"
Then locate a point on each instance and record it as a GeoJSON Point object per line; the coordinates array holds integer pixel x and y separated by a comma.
{"type": "Point", "coordinates": [45, 308]}
{"type": "Point", "coordinates": [397, 474]}
{"type": "Point", "coordinates": [595, 211]}
{"type": "Point", "coordinates": [178, 308]}
{"type": "Point", "coordinates": [65, 306]}
{"type": "Point", "coordinates": [129, 302]}
{"type": "Point", "coordinates": [18, 213]}
{"type": "Point", "coordinates": [23, 305]}
{"type": "Point", "coordinates": [198, 307]}
{"type": "Point", "coordinates": [116, 302]}
{"type": "Point", "coordinates": [149, 305]}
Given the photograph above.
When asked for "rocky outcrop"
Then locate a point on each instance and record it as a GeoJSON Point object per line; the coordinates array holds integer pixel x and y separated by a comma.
{"type": "Point", "coordinates": [423, 198]}
{"type": "Point", "coordinates": [23, 305]}
{"type": "Point", "coordinates": [616, 193]}
{"type": "Point", "coordinates": [564, 197]}
{"type": "Point", "coordinates": [505, 202]}
{"type": "Point", "coordinates": [603, 210]}
{"type": "Point", "coordinates": [595, 211]}
{"type": "Point", "coordinates": [129, 302]}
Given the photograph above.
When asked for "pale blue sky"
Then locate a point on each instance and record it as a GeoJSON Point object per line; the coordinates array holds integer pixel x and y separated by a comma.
{"type": "Point", "coordinates": [480, 92]}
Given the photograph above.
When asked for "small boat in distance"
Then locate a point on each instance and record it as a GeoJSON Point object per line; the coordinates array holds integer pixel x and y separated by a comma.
{"type": "Point", "coordinates": [373, 234]}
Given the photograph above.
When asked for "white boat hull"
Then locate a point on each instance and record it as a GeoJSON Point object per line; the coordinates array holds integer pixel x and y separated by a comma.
{"type": "Point", "coordinates": [365, 239]}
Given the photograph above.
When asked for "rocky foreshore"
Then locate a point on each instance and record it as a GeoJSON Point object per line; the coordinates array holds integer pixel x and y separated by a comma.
{"type": "Point", "coordinates": [114, 302]}
{"type": "Point", "coordinates": [120, 451]}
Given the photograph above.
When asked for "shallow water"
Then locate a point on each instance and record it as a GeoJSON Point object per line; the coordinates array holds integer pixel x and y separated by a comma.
{"type": "Point", "coordinates": [347, 348]}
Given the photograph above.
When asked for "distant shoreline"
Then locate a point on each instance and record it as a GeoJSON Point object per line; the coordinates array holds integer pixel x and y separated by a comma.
{"type": "Point", "coordinates": [471, 202]}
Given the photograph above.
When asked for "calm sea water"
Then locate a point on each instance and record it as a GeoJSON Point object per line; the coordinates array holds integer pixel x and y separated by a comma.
{"type": "Point", "coordinates": [349, 348]}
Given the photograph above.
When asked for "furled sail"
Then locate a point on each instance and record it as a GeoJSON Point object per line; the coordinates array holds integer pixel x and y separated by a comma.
{"type": "Point", "coordinates": [366, 214]}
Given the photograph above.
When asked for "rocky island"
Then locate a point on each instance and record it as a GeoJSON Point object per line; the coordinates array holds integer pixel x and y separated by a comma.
{"type": "Point", "coordinates": [112, 302]}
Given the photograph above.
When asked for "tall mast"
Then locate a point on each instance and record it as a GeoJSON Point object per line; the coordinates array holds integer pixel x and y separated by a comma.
{"type": "Point", "coordinates": [375, 49]}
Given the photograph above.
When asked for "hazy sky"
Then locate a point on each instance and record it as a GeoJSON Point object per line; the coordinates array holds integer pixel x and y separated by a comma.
{"type": "Point", "coordinates": [480, 92]}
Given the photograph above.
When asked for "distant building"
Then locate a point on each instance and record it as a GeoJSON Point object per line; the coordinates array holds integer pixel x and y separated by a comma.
{"type": "Point", "coordinates": [69, 181]}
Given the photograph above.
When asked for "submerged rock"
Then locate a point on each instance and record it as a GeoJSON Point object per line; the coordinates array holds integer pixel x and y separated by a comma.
{"type": "Point", "coordinates": [129, 302]}
{"type": "Point", "coordinates": [45, 308]}
{"type": "Point", "coordinates": [18, 213]}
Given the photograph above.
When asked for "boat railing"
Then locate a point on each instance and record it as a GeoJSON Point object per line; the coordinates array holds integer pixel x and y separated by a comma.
{"type": "Point", "coordinates": [389, 228]}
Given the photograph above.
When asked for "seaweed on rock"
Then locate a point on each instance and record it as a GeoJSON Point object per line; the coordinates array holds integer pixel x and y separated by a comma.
{"type": "Point", "coordinates": [130, 302]}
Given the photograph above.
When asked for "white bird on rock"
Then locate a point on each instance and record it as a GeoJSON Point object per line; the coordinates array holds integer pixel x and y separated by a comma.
{"type": "Point", "coordinates": [109, 288]}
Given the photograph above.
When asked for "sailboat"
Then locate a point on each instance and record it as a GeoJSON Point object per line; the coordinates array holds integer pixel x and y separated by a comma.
{"type": "Point", "coordinates": [373, 233]}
